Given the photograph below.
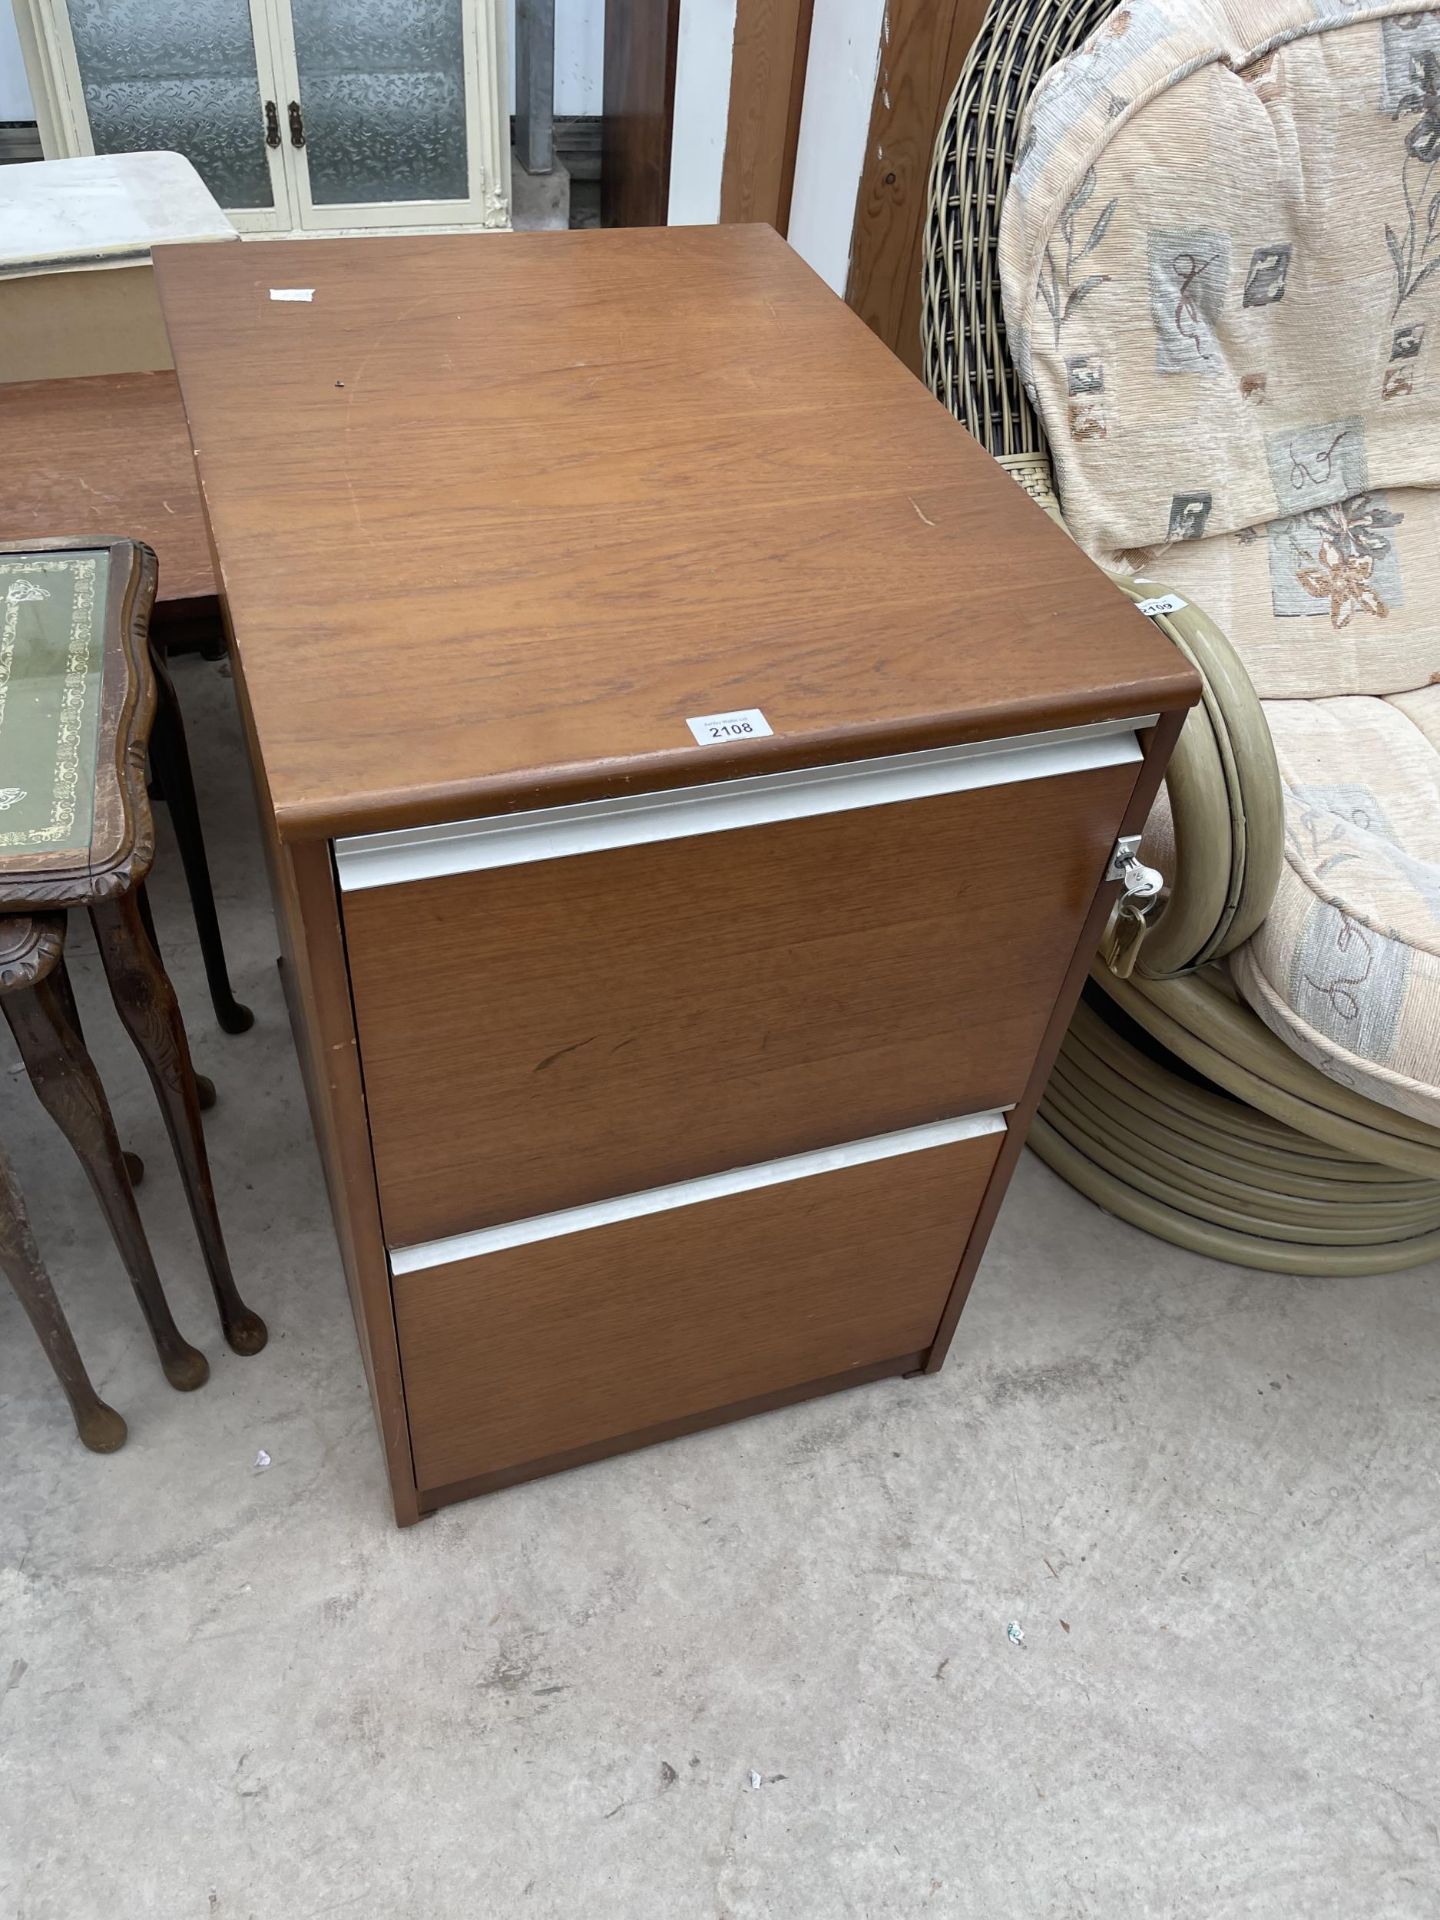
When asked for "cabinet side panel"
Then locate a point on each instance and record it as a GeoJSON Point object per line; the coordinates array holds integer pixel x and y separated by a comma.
{"type": "Point", "coordinates": [316, 980]}
{"type": "Point", "coordinates": [318, 991]}
{"type": "Point", "coordinates": [1159, 743]}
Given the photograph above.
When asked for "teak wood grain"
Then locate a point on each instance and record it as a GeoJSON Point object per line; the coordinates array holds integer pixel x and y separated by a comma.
{"type": "Point", "coordinates": [496, 513]}
{"type": "Point", "coordinates": [592, 1450]}
{"type": "Point", "coordinates": [541, 1036]}
{"type": "Point", "coordinates": [317, 996]}
{"type": "Point", "coordinates": [491, 516]}
{"type": "Point", "coordinates": [104, 457]}
{"type": "Point", "coordinates": [532, 1351]}
{"type": "Point", "coordinates": [317, 989]}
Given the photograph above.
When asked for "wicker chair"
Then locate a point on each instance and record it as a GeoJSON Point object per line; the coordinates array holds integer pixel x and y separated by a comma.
{"type": "Point", "coordinates": [1172, 1105]}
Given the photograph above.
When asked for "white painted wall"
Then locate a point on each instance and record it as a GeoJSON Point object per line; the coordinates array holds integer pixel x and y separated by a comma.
{"type": "Point", "coordinates": [14, 93]}
{"type": "Point", "coordinates": [834, 123]}
{"type": "Point", "coordinates": [702, 106]}
{"type": "Point", "coordinates": [834, 126]}
{"type": "Point", "coordinates": [579, 55]}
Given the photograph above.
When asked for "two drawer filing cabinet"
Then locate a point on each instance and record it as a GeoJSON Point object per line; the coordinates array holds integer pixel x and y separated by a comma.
{"type": "Point", "coordinates": [690, 770]}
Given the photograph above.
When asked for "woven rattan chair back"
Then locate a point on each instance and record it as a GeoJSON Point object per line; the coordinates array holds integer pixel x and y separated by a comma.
{"type": "Point", "coordinates": [962, 326]}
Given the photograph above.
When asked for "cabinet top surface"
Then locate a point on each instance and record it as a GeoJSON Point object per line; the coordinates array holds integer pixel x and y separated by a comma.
{"type": "Point", "coordinates": [496, 514]}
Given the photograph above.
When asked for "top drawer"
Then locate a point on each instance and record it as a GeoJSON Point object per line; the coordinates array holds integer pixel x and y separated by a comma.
{"type": "Point", "coordinates": [563, 1006]}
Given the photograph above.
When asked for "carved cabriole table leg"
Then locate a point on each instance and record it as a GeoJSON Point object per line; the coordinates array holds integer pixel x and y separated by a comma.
{"type": "Point", "coordinates": [100, 1427]}
{"type": "Point", "coordinates": [134, 1165]}
{"type": "Point", "coordinates": [69, 1087]}
{"type": "Point", "coordinates": [204, 1085]}
{"type": "Point", "coordinates": [147, 1005]}
{"type": "Point", "coordinates": [170, 759]}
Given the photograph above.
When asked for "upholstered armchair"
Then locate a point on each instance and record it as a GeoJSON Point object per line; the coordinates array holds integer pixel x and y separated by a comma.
{"type": "Point", "coordinates": [1183, 278]}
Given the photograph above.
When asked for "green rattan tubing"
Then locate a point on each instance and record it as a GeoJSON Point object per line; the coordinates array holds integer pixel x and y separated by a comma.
{"type": "Point", "coordinates": [1231, 1162]}
{"type": "Point", "coordinates": [1242, 1037]}
{"type": "Point", "coordinates": [1206, 858]}
{"type": "Point", "coordinates": [1330, 1208]}
{"type": "Point", "coordinates": [1211, 1164]}
{"type": "Point", "coordinates": [1228, 813]}
{"type": "Point", "coordinates": [1223, 782]}
{"type": "Point", "coordinates": [1222, 1121]}
{"type": "Point", "coordinates": [1079, 1141]}
{"type": "Point", "coordinates": [1213, 1121]}
{"type": "Point", "coordinates": [1216, 1037]}
{"type": "Point", "coordinates": [1219, 1243]}
{"type": "Point", "coordinates": [1088, 1138]}
{"type": "Point", "coordinates": [1252, 778]}
{"type": "Point", "coordinates": [1230, 830]}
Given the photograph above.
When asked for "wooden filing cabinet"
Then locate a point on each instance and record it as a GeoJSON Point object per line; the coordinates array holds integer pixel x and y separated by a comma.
{"type": "Point", "coordinates": [690, 771]}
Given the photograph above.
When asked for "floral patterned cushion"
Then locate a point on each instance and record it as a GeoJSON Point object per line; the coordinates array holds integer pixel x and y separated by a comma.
{"type": "Point", "coordinates": [1317, 603]}
{"type": "Point", "coordinates": [1346, 969]}
{"type": "Point", "coordinates": [1220, 257]}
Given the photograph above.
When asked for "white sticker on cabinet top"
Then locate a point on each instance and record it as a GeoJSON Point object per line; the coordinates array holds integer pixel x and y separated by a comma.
{"type": "Point", "coordinates": [714, 729]}
{"type": "Point", "coordinates": [292, 293]}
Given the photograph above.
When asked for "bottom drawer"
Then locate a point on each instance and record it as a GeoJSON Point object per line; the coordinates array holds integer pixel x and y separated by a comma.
{"type": "Point", "coordinates": [581, 1328]}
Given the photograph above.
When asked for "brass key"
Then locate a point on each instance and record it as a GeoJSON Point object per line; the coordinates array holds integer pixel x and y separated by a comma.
{"type": "Point", "coordinates": [1124, 939]}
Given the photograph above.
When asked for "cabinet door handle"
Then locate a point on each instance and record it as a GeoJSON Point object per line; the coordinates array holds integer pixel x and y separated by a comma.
{"type": "Point", "coordinates": [297, 124]}
{"type": "Point", "coordinates": [272, 124]}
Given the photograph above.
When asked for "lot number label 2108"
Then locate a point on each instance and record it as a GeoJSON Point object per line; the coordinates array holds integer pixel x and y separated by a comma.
{"type": "Point", "coordinates": [714, 729]}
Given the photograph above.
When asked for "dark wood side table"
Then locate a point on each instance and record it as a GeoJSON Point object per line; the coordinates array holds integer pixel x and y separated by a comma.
{"type": "Point", "coordinates": [39, 1008]}
{"type": "Point", "coordinates": [110, 454]}
{"type": "Point", "coordinates": [693, 774]}
{"type": "Point", "coordinates": [77, 700]}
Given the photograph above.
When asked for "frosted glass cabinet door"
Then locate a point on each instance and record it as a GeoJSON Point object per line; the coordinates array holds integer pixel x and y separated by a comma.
{"type": "Point", "coordinates": [383, 96]}
{"type": "Point", "coordinates": [316, 115]}
{"type": "Point", "coordinates": [181, 76]}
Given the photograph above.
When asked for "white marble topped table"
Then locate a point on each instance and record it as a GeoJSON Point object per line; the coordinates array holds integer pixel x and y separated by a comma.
{"type": "Point", "coordinates": [107, 209]}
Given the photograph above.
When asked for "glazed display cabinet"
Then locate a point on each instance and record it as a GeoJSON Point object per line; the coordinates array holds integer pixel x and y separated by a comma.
{"type": "Point", "coordinates": [301, 116]}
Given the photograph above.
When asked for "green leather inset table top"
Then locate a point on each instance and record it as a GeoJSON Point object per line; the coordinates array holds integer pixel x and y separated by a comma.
{"type": "Point", "coordinates": [52, 648]}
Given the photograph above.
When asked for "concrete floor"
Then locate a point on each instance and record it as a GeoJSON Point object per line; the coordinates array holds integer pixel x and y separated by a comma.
{"type": "Point", "coordinates": [1209, 1498]}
